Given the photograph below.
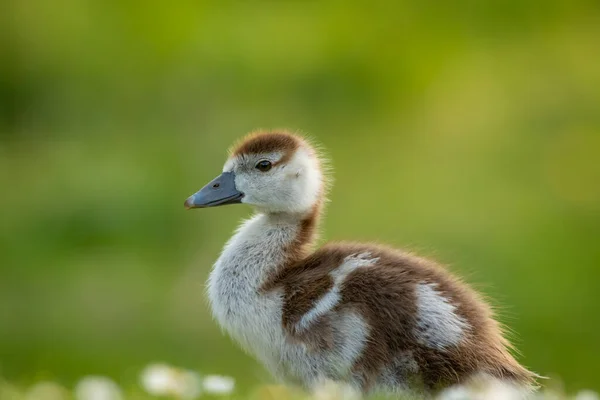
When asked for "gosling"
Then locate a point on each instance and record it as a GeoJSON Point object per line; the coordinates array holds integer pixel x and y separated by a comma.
{"type": "Point", "coordinates": [377, 319]}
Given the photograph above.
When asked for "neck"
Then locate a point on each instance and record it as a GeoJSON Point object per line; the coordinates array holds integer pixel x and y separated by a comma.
{"type": "Point", "coordinates": [263, 246]}
{"type": "Point", "coordinates": [305, 234]}
{"type": "Point", "coordinates": [268, 243]}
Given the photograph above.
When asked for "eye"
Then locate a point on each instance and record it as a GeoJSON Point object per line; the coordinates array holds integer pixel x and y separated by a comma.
{"type": "Point", "coordinates": [264, 165]}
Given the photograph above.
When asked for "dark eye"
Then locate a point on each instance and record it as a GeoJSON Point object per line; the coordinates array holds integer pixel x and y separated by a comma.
{"type": "Point", "coordinates": [264, 165]}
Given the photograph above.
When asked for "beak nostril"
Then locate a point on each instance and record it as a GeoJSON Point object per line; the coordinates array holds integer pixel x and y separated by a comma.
{"type": "Point", "coordinates": [216, 185]}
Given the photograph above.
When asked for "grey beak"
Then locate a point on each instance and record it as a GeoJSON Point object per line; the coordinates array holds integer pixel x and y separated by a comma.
{"type": "Point", "coordinates": [218, 192]}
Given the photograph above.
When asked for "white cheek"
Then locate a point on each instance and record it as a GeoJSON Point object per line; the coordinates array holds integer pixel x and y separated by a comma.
{"type": "Point", "coordinates": [313, 185]}
{"type": "Point", "coordinates": [258, 190]}
{"type": "Point", "coordinates": [242, 185]}
{"type": "Point", "coordinates": [307, 179]}
{"type": "Point", "coordinates": [229, 165]}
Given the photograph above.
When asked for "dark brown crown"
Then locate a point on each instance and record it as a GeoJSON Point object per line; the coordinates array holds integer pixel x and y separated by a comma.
{"type": "Point", "coordinates": [267, 142]}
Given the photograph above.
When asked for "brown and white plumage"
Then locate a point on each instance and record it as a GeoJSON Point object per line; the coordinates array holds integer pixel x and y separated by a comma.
{"type": "Point", "coordinates": [376, 318]}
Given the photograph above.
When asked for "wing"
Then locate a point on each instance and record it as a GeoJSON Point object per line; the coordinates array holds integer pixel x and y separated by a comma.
{"type": "Point", "coordinates": [415, 318]}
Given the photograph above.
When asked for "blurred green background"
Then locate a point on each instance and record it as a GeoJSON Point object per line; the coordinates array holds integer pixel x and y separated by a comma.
{"type": "Point", "coordinates": [468, 131]}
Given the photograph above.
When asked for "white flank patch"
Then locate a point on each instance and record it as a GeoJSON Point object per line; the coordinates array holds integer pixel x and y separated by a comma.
{"type": "Point", "coordinates": [326, 303]}
{"type": "Point", "coordinates": [353, 340]}
{"type": "Point", "coordinates": [438, 326]}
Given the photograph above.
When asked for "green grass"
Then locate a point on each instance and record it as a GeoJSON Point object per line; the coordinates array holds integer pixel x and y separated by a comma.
{"type": "Point", "coordinates": [468, 132]}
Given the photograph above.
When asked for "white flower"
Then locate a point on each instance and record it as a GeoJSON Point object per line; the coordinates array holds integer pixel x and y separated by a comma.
{"type": "Point", "coordinates": [455, 393]}
{"type": "Point", "coordinates": [190, 385]}
{"type": "Point", "coordinates": [483, 390]}
{"type": "Point", "coordinates": [502, 391]}
{"type": "Point", "coordinates": [330, 390]}
{"type": "Point", "coordinates": [46, 391]}
{"type": "Point", "coordinates": [165, 380]}
{"type": "Point", "coordinates": [216, 384]}
{"type": "Point", "coordinates": [97, 388]}
{"type": "Point", "coordinates": [587, 395]}
{"type": "Point", "coordinates": [157, 379]}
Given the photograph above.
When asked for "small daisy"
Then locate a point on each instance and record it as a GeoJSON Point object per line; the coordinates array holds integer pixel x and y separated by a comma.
{"type": "Point", "coordinates": [97, 388]}
{"type": "Point", "coordinates": [587, 395]}
{"type": "Point", "coordinates": [165, 380]}
{"type": "Point", "coordinates": [219, 385]}
{"type": "Point", "coordinates": [455, 393]}
{"type": "Point", "coordinates": [330, 390]}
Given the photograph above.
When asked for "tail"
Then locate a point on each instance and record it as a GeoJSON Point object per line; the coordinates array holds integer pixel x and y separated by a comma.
{"type": "Point", "coordinates": [512, 382]}
{"type": "Point", "coordinates": [514, 374]}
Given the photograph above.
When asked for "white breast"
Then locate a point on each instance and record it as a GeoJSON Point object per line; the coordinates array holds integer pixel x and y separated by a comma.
{"type": "Point", "coordinates": [249, 316]}
{"type": "Point", "coordinates": [254, 318]}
